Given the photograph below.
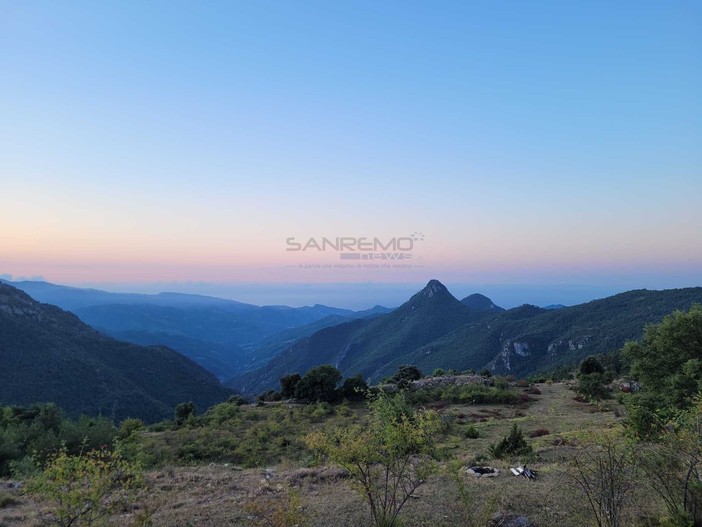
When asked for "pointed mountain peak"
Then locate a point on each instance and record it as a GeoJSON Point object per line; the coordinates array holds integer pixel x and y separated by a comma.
{"type": "Point", "coordinates": [434, 287]}
{"type": "Point", "coordinates": [433, 295]}
{"type": "Point", "coordinates": [480, 302]}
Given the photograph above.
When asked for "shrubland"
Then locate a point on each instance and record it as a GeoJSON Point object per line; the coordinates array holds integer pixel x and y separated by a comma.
{"type": "Point", "coordinates": [602, 457]}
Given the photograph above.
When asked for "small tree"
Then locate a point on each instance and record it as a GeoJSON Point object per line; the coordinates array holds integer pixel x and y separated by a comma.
{"type": "Point", "coordinates": [84, 489]}
{"type": "Point", "coordinates": [673, 467]}
{"type": "Point", "coordinates": [668, 360]}
{"type": "Point", "coordinates": [319, 384]}
{"type": "Point", "coordinates": [130, 427]}
{"type": "Point", "coordinates": [512, 445]}
{"type": "Point", "coordinates": [590, 365]}
{"type": "Point", "coordinates": [185, 412]}
{"type": "Point", "coordinates": [405, 375]}
{"type": "Point", "coordinates": [389, 458]}
{"type": "Point", "coordinates": [288, 383]}
{"type": "Point", "coordinates": [592, 380]}
{"type": "Point", "coordinates": [354, 387]}
{"type": "Point", "coordinates": [604, 473]}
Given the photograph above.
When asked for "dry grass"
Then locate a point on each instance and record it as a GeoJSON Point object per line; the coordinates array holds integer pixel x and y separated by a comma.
{"type": "Point", "coordinates": [215, 494]}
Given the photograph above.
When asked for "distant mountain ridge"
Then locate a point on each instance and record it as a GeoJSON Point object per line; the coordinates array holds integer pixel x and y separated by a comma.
{"type": "Point", "coordinates": [434, 330]}
{"type": "Point", "coordinates": [369, 346]}
{"type": "Point", "coordinates": [49, 355]}
{"type": "Point", "coordinates": [528, 339]}
{"type": "Point", "coordinates": [70, 298]}
{"type": "Point", "coordinates": [480, 302]}
{"type": "Point", "coordinates": [219, 334]}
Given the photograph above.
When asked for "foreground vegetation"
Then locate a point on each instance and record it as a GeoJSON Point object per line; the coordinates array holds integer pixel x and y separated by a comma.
{"type": "Point", "coordinates": [602, 458]}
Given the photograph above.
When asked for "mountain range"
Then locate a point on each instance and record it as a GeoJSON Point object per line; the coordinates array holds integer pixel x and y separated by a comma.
{"type": "Point", "coordinates": [251, 347]}
{"type": "Point", "coordinates": [49, 355]}
{"type": "Point", "coordinates": [435, 330]}
{"type": "Point", "coordinates": [224, 336]}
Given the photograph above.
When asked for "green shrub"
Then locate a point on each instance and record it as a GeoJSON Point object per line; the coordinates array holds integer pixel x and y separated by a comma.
{"type": "Point", "coordinates": [389, 458]}
{"type": "Point", "coordinates": [319, 410]}
{"type": "Point", "coordinates": [354, 388]}
{"type": "Point", "coordinates": [24, 468]}
{"type": "Point", "coordinates": [500, 383]}
{"type": "Point", "coordinates": [471, 432]}
{"type": "Point", "coordinates": [288, 385]}
{"type": "Point", "coordinates": [319, 384]}
{"type": "Point", "coordinates": [405, 374]}
{"type": "Point", "coordinates": [130, 426]}
{"type": "Point", "coordinates": [185, 413]}
{"type": "Point", "coordinates": [590, 365]}
{"type": "Point", "coordinates": [86, 488]}
{"type": "Point", "coordinates": [512, 445]}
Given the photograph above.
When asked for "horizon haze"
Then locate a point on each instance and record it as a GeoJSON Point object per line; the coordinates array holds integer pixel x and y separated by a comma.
{"type": "Point", "coordinates": [535, 152]}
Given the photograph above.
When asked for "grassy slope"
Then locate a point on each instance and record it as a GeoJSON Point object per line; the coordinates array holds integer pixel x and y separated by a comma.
{"type": "Point", "coordinates": [215, 493]}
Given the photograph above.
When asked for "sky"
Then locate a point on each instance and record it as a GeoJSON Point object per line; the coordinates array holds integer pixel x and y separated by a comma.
{"type": "Point", "coordinates": [528, 149]}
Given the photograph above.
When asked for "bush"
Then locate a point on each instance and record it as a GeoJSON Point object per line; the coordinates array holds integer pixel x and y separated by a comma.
{"type": "Point", "coordinates": [130, 426]}
{"type": "Point", "coordinates": [320, 409]}
{"type": "Point", "coordinates": [389, 458]}
{"type": "Point", "coordinates": [354, 388]}
{"type": "Point", "coordinates": [319, 384]}
{"type": "Point", "coordinates": [288, 384]}
{"type": "Point", "coordinates": [405, 375]}
{"type": "Point", "coordinates": [471, 432]}
{"type": "Point", "coordinates": [84, 489]}
{"type": "Point", "coordinates": [667, 360]}
{"type": "Point", "coordinates": [185, 412]}
{"type": "Point", "coordinates": [500, 383]}
{"type": "Point", "coordinates": [645, 419]}
{"type": "Point", "coordinates": [592, 386]}
{"type": "Point", "coordinates": [512, 445]}
{"type": "Point", "coordinates": [40, 430]}
{"type": "Point", "coordinates": [238, 400]}
{"type": "Point", "coordinates": [605, 474]}
{"type": "Point", "coordinates": [591, 365]}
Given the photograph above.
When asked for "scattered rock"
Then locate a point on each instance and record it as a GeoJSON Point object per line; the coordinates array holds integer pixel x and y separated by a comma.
{"type": "Point", "coordinates": [444, 380]}
{"type": "Point", "coordinates": [483, 472]}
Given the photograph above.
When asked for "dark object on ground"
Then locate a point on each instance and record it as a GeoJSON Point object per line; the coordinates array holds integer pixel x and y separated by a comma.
{"type": "Point", "coordinates": [524, 472]}
{"type": "Point", "coordinates": [483, 472]}
{"type": "Point", "coordinates": [502, 519]}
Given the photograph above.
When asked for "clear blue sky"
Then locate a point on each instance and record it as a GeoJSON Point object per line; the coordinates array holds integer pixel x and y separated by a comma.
{"type": "Point", "coordinates": [531, 142]}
